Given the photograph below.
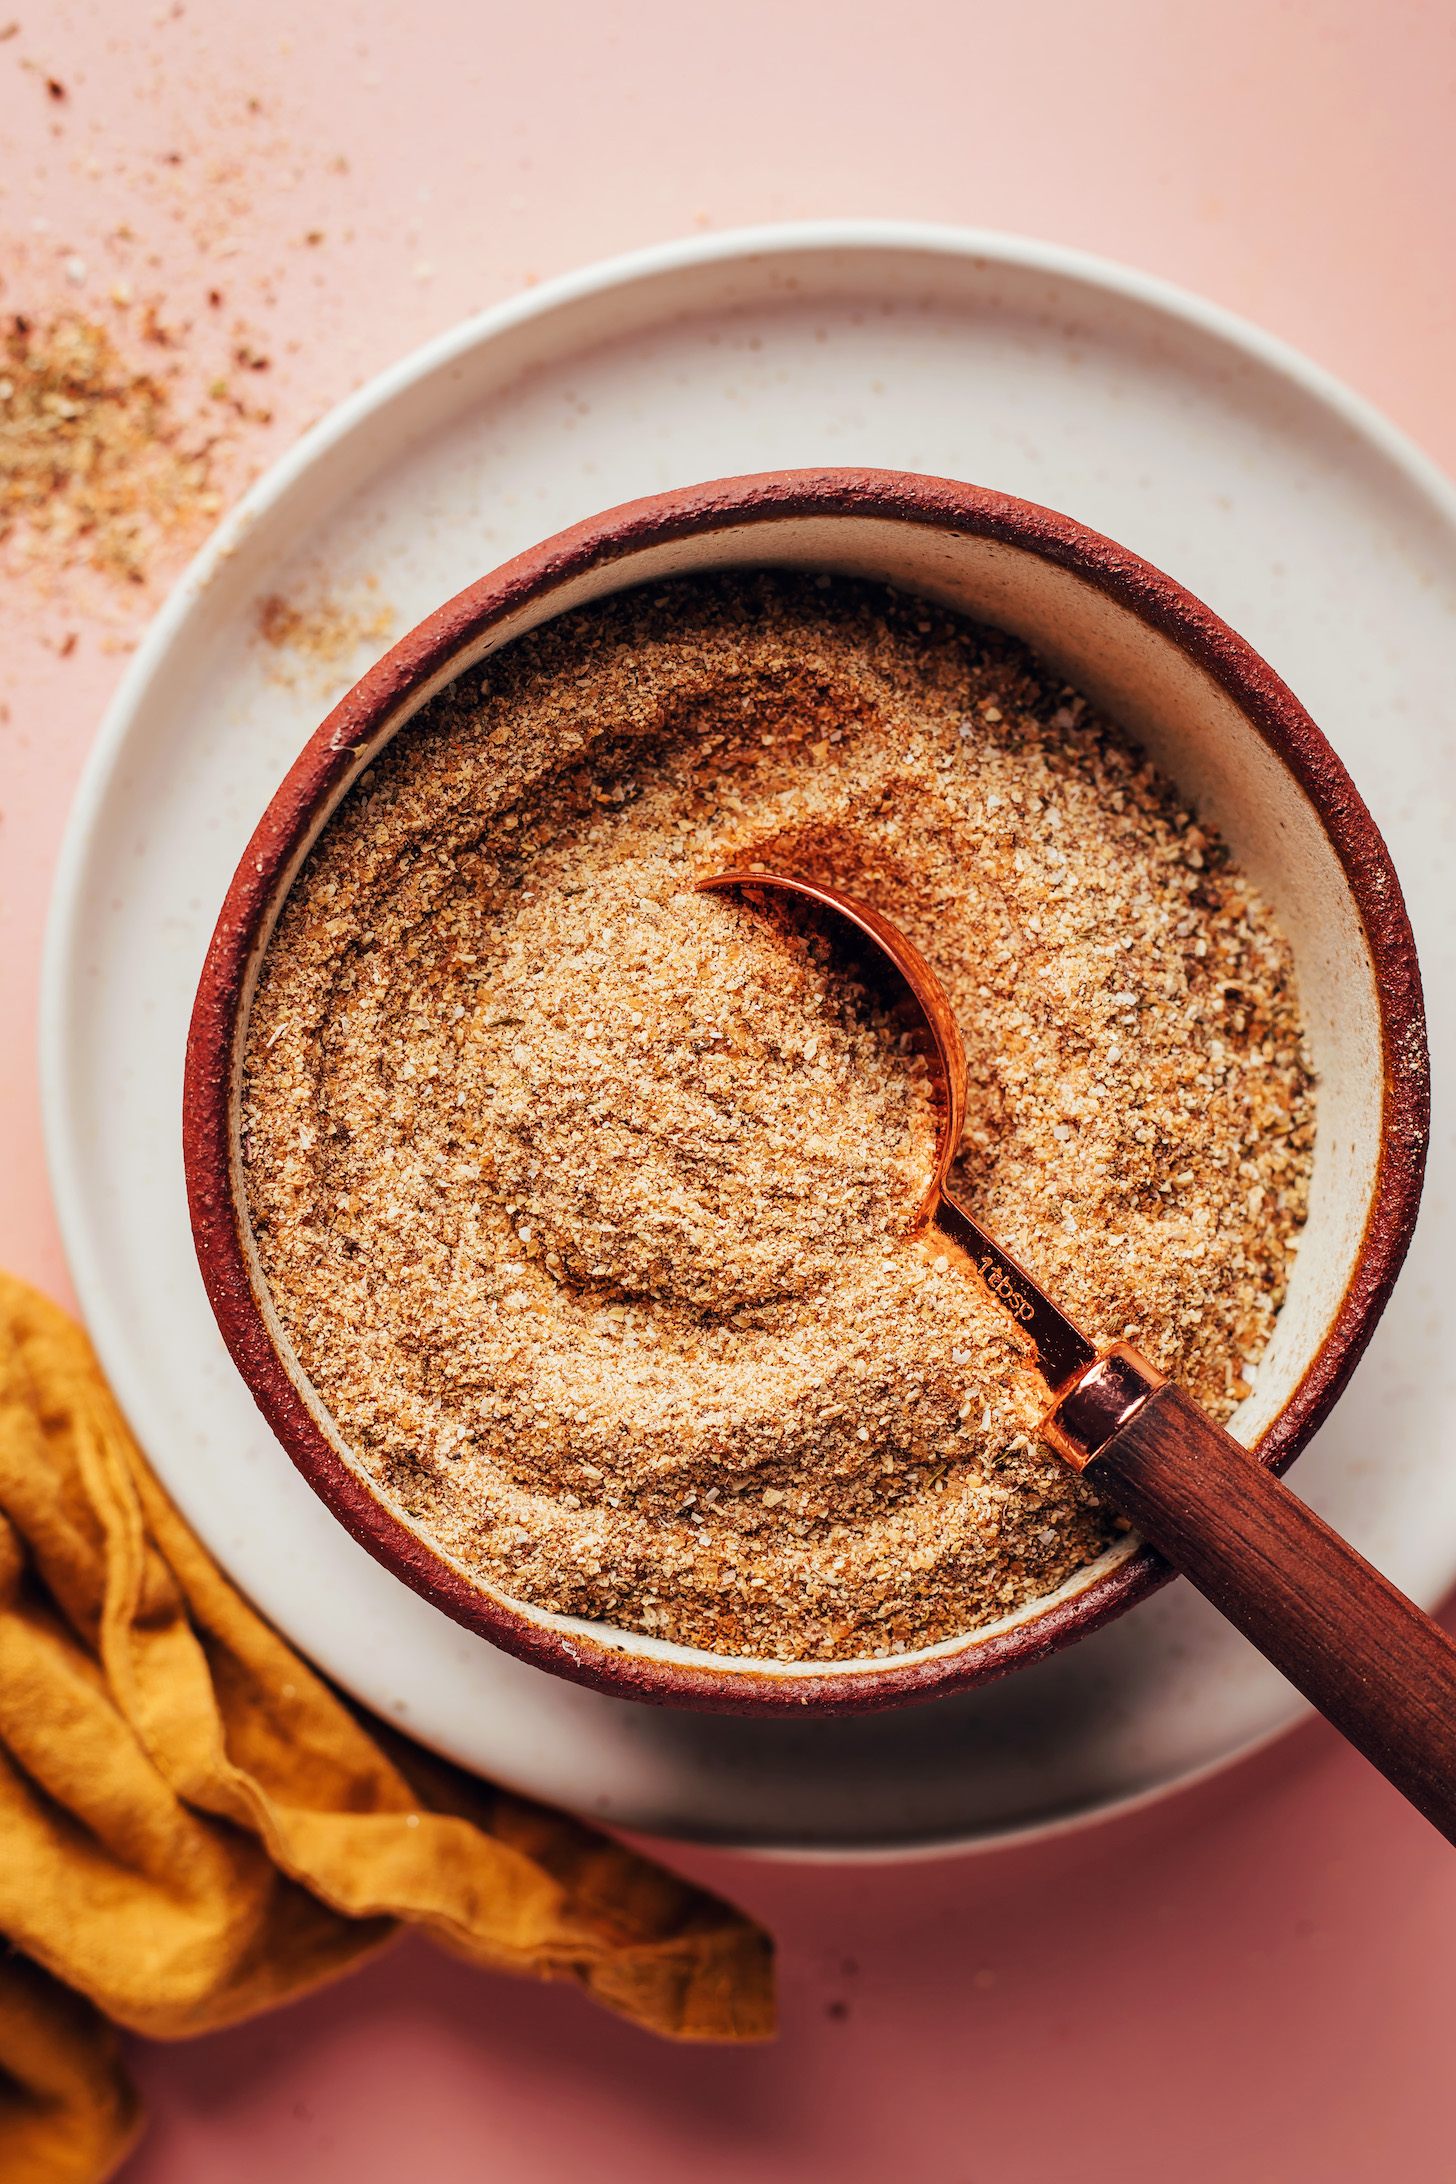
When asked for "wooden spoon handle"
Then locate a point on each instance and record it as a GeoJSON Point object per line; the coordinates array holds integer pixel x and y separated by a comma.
{"type": "Point", "coordinates": [1367, 1657]}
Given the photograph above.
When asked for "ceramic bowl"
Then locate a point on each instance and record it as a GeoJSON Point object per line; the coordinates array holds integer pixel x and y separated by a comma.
{"type": "Point", "coordinates": [1214, 718]}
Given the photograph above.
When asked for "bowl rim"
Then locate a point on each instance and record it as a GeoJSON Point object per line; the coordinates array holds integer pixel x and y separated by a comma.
{"type": "Point", "coordinates": [361, 723]}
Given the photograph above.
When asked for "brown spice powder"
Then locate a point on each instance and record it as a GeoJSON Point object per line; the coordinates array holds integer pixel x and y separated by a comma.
{"type": "Point", "coordinates": [325, 632]}
{"type": "Point", "coordinates": [94, 466]}
{"type": "Point", "coordinates": [585, 1200]}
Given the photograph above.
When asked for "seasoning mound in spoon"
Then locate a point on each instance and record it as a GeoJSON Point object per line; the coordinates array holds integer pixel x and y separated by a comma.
{"type": "Point", "coordinates": [695, 1105]}
{"type": "Point", "coordinates": [626, 1318]}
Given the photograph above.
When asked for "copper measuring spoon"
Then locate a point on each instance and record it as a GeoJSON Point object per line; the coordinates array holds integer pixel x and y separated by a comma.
{"type": "Point", "coordinates": [1358, 1649]}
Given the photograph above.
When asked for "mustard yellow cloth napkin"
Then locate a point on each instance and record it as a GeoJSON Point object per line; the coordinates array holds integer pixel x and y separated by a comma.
{"type": "Point", "coordinates": [193, 1826]}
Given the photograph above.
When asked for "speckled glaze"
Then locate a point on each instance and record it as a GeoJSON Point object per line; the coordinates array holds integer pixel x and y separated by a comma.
{"type": "Point", "coordinates": [1212, 714]}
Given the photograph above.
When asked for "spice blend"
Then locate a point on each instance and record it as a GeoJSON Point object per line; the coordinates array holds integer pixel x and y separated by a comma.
{"type": "Point", "coordinates": [587, 1202]}
{"type": "Point", "coordinates": [93, 464]}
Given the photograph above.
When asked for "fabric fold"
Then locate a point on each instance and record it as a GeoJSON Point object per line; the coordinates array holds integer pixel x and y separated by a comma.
{"type": "Point", "coordinates": [194, 1826]}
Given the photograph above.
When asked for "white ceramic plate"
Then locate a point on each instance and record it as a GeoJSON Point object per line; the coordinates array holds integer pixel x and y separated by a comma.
{"type": "Point", "coordinates": [1288, 506]}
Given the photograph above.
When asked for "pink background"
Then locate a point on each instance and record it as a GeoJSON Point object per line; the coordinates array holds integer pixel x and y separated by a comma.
{"type": "Point", "coordinates": [1253, 1981]}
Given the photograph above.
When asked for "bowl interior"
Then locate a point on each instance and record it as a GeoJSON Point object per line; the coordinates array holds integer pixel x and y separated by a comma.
{"type": "Point", "coordinates": [1200, 738]}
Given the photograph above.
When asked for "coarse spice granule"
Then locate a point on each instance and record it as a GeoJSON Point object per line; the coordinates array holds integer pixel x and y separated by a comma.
{"type": "Point", "coordinates": [94, 466]}
{"type": "Point", "coordinates": [587, 1202]}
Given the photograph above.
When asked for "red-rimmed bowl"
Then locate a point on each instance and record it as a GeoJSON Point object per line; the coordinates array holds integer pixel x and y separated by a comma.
{"type": "Point", "coordinates": [1213, 717]}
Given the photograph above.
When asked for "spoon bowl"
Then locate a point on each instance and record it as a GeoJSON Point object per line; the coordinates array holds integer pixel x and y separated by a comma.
{"type": "Point", "coordinates": [1062, 1350]}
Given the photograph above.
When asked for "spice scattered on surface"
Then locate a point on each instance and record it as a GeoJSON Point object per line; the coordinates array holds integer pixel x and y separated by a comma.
{"type": "Point", "coordinates": [325, 631]}
{"type": "Point", "coordinates": [94, 465]}
{"type": "Point", "coordinates": [586, 1201]}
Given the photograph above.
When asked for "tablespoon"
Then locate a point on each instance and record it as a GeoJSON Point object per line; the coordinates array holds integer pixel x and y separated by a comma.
{"type": "Point", "coordinates": [1358, 1649]}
